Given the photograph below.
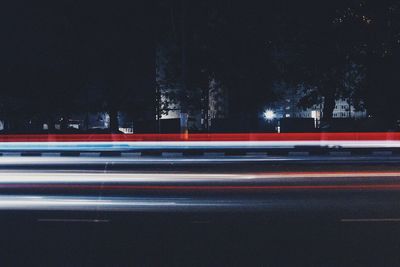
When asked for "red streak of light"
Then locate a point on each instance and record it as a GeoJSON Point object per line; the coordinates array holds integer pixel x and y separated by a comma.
{"type": "Point", "coordinates": [354, 136]}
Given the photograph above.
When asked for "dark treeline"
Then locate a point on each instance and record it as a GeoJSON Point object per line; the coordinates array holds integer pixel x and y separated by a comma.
{"type": "Point", "coordinates": [334, 49]}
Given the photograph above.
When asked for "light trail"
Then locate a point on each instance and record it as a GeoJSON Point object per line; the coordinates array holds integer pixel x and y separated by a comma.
{"type": "Point", "coordinates": [209, 188]}
{"type": "Point", "coordinates": [187, 145]}
{"type": "Point", "coordinates": [119, 142]}
{"type": "Point", "coordinates": [132, 204]}
{"type": "Point", "coordinates": [73, 203]}
{"type": "Point", "coordinates": [191, 204]}
{"type": "Point", "coordinates": [110, 177]}
{"type": "Point", "coordinates": [350, 136]}
{"type": "Point", "coordinates": [57, 160]}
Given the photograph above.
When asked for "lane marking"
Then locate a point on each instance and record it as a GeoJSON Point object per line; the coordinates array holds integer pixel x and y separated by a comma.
{"type": "Point", "coordinates": [74, 220]}
{"type": "Point", "coordinates": [372, 220]}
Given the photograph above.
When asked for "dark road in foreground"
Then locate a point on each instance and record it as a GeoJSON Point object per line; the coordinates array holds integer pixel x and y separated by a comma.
{"type": "Point", "coordinates": [183, 241]}
{"type": "Point", "coordinates": [189, 212]}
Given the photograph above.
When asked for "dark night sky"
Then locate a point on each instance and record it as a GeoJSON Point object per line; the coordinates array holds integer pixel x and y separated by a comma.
{"type": "Point", "coordinates": [53, 53]}
{"type": "Point", "coordinates": [61, 47]}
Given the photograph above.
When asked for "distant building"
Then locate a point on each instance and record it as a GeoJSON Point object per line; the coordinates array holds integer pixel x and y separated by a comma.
{"type": "Point", "coordinates": [205, 105]}
{"type": "Point", "coordinates": [168, 105]}
{"type": "Point", "coordinates": [171, 109]}
{"type": "Point", "coordinates": [343, 109]}
{"type": "Point", "coordinates": [218, 102]}
{"type": "Point", "coordinates": [288, 108]}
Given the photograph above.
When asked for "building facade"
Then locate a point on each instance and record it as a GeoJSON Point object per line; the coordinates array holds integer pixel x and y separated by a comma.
{"type": "Point", "coordinates": [289, 108]}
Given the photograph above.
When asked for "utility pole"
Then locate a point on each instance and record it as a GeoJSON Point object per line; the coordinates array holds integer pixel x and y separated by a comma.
{"type": "Point", "coordinates": [158, 107]}
{"type": "Point", "coordinates": [184, 96]}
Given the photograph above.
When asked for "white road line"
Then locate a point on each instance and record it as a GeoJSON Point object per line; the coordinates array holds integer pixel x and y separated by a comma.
{"type": "Point", "coordinates": [372, 220]}
{"type": "Point", "coordinates": [74, 220]}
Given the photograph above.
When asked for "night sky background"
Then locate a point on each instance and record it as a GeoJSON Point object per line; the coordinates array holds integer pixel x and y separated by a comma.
{"type": "Point", "coordinates": [64, 57]}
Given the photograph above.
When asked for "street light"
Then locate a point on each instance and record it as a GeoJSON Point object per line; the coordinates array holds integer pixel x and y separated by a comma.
{"type": "Point", "coordinates": [269, 114]}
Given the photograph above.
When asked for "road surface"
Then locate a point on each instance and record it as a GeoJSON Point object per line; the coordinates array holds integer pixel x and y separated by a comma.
{"type": "Point", "coordinates": [200, 211]}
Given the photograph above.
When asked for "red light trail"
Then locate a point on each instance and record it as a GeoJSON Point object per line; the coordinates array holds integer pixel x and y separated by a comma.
{"type": "Point", "coordinates": [352, 136]}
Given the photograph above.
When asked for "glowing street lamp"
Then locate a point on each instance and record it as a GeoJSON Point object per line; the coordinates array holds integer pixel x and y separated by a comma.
{"type": "Point", "coordinates": [269, 114]}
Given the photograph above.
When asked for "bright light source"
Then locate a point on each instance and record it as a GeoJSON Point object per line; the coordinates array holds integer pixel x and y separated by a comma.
{"type": "Point", "coordinates": [314, 114]}
{"type": "Point", "coordinates": [269, 114]}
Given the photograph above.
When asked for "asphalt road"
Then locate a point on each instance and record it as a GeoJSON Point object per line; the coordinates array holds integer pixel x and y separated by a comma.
{"type": "Point", "coordinates": [168, 212]}
{"type": "Point", "coordinates": [302, 187]}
